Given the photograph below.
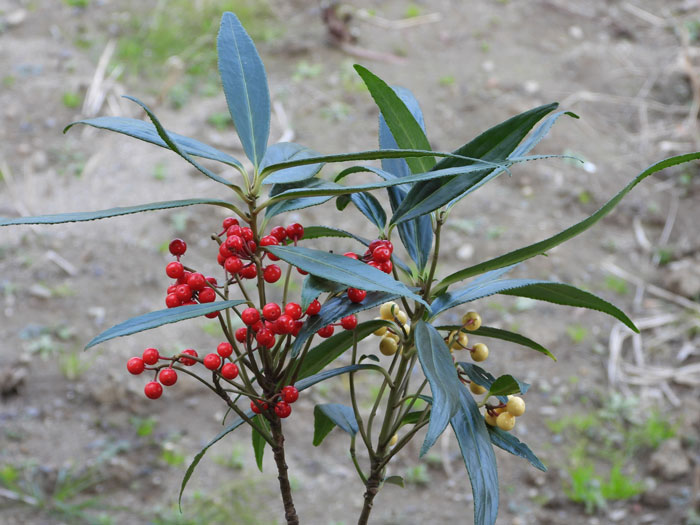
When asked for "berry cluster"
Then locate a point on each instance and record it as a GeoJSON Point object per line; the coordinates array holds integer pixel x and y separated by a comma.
{"type": "Point", "coordinates": [459, 340]}
{"type": "Point", "coordinates": [391, 337]}
{"type": "Point", "coordinates": [273, 321]}
{"type": "Point", "coordinates": [503, 415]}
{"type": "Point", "coordinates": [377, 255]}
{"type": "Point", "coordinates": [189, 287]}
{"type": "Point", "coordinates": [281, 402]}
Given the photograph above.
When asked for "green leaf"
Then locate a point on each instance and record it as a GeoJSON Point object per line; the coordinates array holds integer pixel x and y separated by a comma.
{"type": "Point", "coordinates": [330, 349]}
{"type": "Point", "coordinates": [259, 441]}
{"type": "Point", "coordinates": [147, 132]}
{"type": "Point", "coordinates": [368, 205]}
{"type": "Point", "coordinates": [330, 415]}
{"type": "Point", "coordinates": [314, 286]}
{"type": "Point", "coordinates": [159, 318]}
{"type": "Point", "coordinates": [509, 443]}
{"type": "Point", "coordinates": [343, 270]}
{"type": "Point", "coordinates": [506, 385]}
{"type": "Point", "coordinates": [317, 232]}
{"type": "Point", "coordinates": [480, 376]}
{"type": "Point", "coordinates": [475, 444]}
{"type": "Point", "coordinates": [405, 129]}
{"type": "Point", "coordinates": [411, 418]}
{"type": "Point", "coordinates": [104, 214]}
{"type": "Point", "coordinates": [163, 134]}
{"type": "Point", "coordinates": [286, 151]}
{"type": "Point", "coordinates": [439, 370]}
{"type": "Point", "coordinates": [334, 309]}
{"type": "Point", "coordinates": [504, 335]}
{"type": "Point", "coordinates": [542, 247]}
{"type": "Point", "coordinates": [497, 142]}
{"type": "Point", "coordinates": [245, 86]}
{"type": "Point", "coordinates": [284, 206]}
{"type": "Point", "coordinates": [395, 480]}
{"type": "Point", "coordinates": [557, 293]}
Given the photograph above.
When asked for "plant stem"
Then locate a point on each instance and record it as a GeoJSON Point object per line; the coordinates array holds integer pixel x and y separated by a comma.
{"type": "Point", "coordinates": [290, 512]}
{"type": "Point", "coordinates": [372, 486]}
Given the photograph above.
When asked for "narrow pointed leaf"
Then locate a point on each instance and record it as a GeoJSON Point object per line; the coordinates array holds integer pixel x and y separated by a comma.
{"type": "Point", "coordinates": [259, 441]}
{"type": "Point", "coordinates": [509, 443]}
{"type": "Point", "coordinates": [499, 387]}
{"type": "Point", "coordinates": [406, 130]}
{"type": "Point", "coordinates": [104, 214]}
{"type": "Point", "coordinates": [159, 318]}
{"type": "Point", "coordinates": [506, 385]}
{"type": "Point", "coordinates": [475, 444]}
{"type": "Point", "coordinates": [439, 370]}
{"type": "Point", "coordinates": [504, 335]}
{"type": "Point", "coordinates": [330, 415]}
{"type": "Point", "coordinates": [245, 86]}
{"type": "Point", "coordinates": [147, 132]}
{"type": "Point", "coordinates": [343, 270]}
{"type": "Point", "coordinates": [294, 203]}
{"type": "Point", "coordinates": [314, 286]}
{"type": "Point", "coordinates": [317, 232]}
{"type": "Point", "coordinates": [368, 205]}
{"type": "Point", "coordinates": [540, 248]}
{"type": "Point", "coordinates": [286, 151]}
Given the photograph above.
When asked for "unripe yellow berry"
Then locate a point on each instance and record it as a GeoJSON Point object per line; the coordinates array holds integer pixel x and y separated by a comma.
{"type": "Point", "coordinates": [458, 340]}
{"type": "Point", "coordinates": [505, 421]}
{"type": "Point", "coordinates": [471, 321]}
{"type": "Point", "coordinates": [490, 420]}
{"type": "Point", "coordinates": [476, 389]}
{"type": "Point", "coordinates": [401, 317]}
{"type": "Point", "coordinates": [381, 330]}
{"type": "Point", "coordinates": [387, 310]}
{"type": "Point", "coordinates": [392, 335]}
{"type": "Point", "coordinates": [394, 440]}
{"type": "Point", "coordinates": [388, 345]}
{"type": "Point", "coordinates": [480, 353]}
{"type": "Point", "coordinates": [516, 406]}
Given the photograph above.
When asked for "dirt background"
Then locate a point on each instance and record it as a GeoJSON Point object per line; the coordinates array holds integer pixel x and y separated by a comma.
{"type": "Point", "coordinates": [78, 441]}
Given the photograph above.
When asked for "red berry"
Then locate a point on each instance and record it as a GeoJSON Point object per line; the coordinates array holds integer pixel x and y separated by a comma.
{"type": "Point", "coordinates": [212, 361]}
{"type": "Point", "coordinates": [374, 264]}
{"type": "Point", "coordinates": [356, 296]}
{"type": "Point", "coordinates": [229, 371]}
{"type": "Point", "coordinates": [295, 231]}
{"type": "Point", "coordinates": [289, 394]}
{"type": "Point", "coordinates": [279, 233]}
{"type": "Point", "coordinates": [247, 234]}
{"type": "Point", "coordinates": [293, 310]}
{"type": "Point", "coordinates": [284, 324]}
{"type": "Point", "coordinates": [381, 254]}
{"type": "Point", "coordinates": [221, 259]}
{"type": "Point", "coordinates": [174, 269]}
{"type": "Point", "coordinates": [211, 315]}
{"type": "Point", "coordinates": [224, 251]}
{"type": "Point", "coordinates": [386, 266]}
{"type": "Point", "coordinates": [257, 406]}
{"type": "Point", "coordinates": [326, 331]}
{"type": "Point", "coordinates": [212, 281]}
{"type": "Point", "coordinates": [224, 349]}
{"type": "Point", "coordinates": [208, 295]}
{"type": "Point", "coordinates": [374, 244]}
{"type": "Point", "coordinates": [135, 365]}
{"type": "Point", "coordinates": [271, 311]}
{"type": "Point", "coordinates": [265, 338]}
{"type": "Point", "coordinates": [177, 247]}
{"type": "Point", "coordinates": [249, 272]}
{"type": "Point", "coordinates": [252, 246]}
{"type": "Point", "coordinates": [153, 390]}
{"type": "Point", "coordinates": [172, 300]}
{"type": "Point", "coordinates": [233, 230]}
{"type": "Point", "coordinates": [349, 322]}
{"type": "Point", "coordinates": [250, 316]}
{"type": "Point", "coordinates": [257, 326]}
{"type": "Point", "coordinates": [389, 245]}
{"type": "Point", "coordinates": [171, 289]}
{"type": "Point", "coordinates": [282, 409]}
{"type": "Point", "coordinates": [272, 273]}
{"type": "Point", "coordinates": [234, 243]}
{"type": "Point", "coordinates": [196, 281]}
{"type": "Point", "coordinates": [269, 240]}
{"type": "Point", "coordinates": [187, 361]}
{"type": "Point", "coordinates": [183, 292]}
{"type": "Point", "coordinates": [351, 255]}
{"type": "Point", "coordinates": [241, 334]}
{"type": "Point", "coordinates": [168, 376]}
{"type": "Point", "coordinates": [302, 272]}
{"type": "Point", "coordinates": [298, 325]}
{"type": "Point", "coordinates": [183, 278]}
{"type": "Point", "coordinates": [313, 308]}
{"type": "Point", "coordinates": [150, 356]}
{"type": "Point", "coordinates": [228, 222]}
{"type": "Point", "coordinates": [233, 264]}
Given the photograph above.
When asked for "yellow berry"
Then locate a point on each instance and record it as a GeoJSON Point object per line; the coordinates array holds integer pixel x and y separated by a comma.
{"type": "Point", "coordinates": [490, 420]}
{"type": "Point", "coordinates": [392, 335]}
{"type": "Point", "coordinates": [387, 310]}
{"type": "Point", "coordinates": [471, 321]}
{"type": "Point", "coordinates": [401, 317]}
{"type": "Point", "coordinates": [388, 345]}
{"type": "Point", "coordinates": [458, 340]}
{"type": "Point", "coordinates": [516, 406]}
{"type": "Point", "coordinates": [476, 389]}
{"type": "Point", "coordinates": [505, 421]}
{"type": "Point", "coordinates": [480, 353]}
{"type": "Point", "coordinates": [381, 330]}
{"type": "Point", "coordinates": [394, 440]}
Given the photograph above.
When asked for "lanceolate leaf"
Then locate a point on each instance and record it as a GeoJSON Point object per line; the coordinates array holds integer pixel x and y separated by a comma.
{"type": "Point", "coordinates": [406, 130]}
{"type": "Point", "coordinates": [245, 86]}
{"type": "Point", "coordinates": [368, 205]}
{"type": "Point", "coordinates": [104, 214]}
{"type": "Point", "coordinates": [147, 132]}
{"type": "Point", "coordinates": [496, 143]}
{"type": "Point", "coordinates": [557, 293]}
{"type": "Point", "coordinates": [300, 385]}
{"type": "Point", "coordinates": [475, 444]}
{"type": "Point", "coordinates": [329, 350]}
{"type": "Point", "coordinates": [286, 151]}
{"type": "Point", "coordinates": [439, 370]}
{"type": "Point", "coordinates": [330, 415]}
{"type": "Point", "coordinates": [159, 318]}
{"type": "Point", "coordinates": [316, 232]}
{"type": "Point", "coordinates": [504, 335]}
{"type": "Point", "coordinates": [343, 270]}
{"type": "Point", "coordinates": [259, 441]}
{"type": "Point", "coordinates": [296, 203]}
{"type": "Point", "coordinates": [314, 286]}
{"type": "Point", "coordinates": [542, 247]}
{"type": "Point", "coordinates": [500, 387]}
{"type": "Point", "coordinates": [509, 443]}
